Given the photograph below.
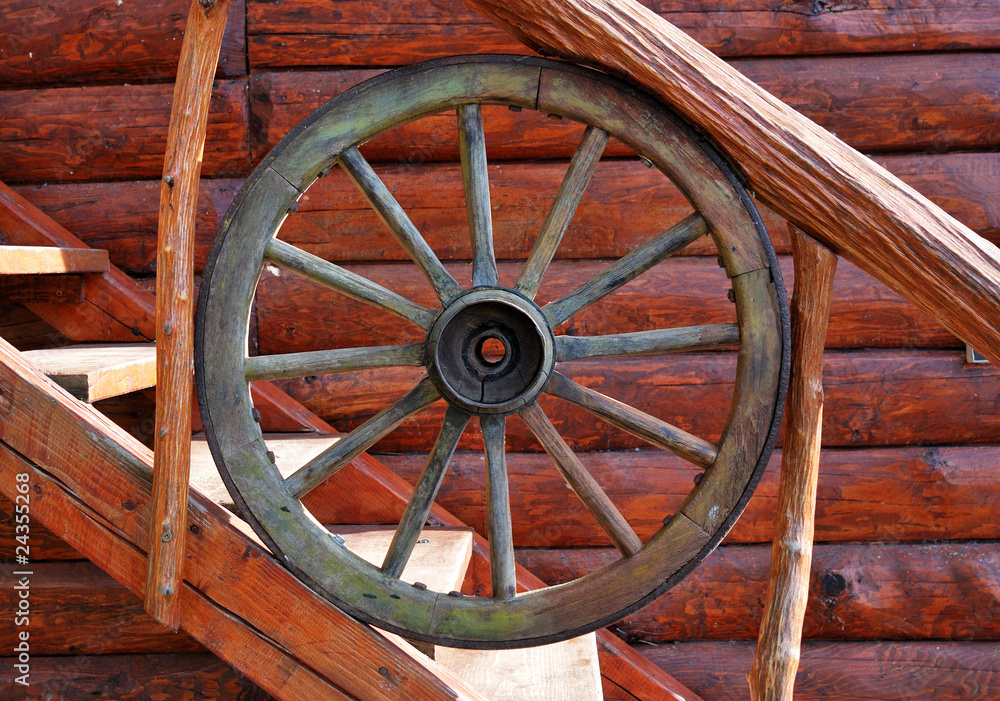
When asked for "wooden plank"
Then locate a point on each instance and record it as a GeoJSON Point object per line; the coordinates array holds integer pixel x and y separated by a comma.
{"type": "Point", "coordinates": [858, 591]}
{"type": "Point", "coordinates": [49, 260]}
{"type": "Point", "coordinates": [873, 398]}
{"type": "Point", "coordinates": [384, 33]}
{"type": "Point", "coordinates": [678, 292]}
{"type": "Point", "coordinates": [966, 185]}
{"type": "Point", "coordinates": [945, 102]}
{"type": "Point", "coordinates": [78, 609]}
{"type": "Point", "coordinates": [45, 545]}
{"type": "Point", "coordinates": [264, 595]}
{"type": "Point", "coordinates": [888, 671]}
{"type": "Point", "coordinates": [131, 678]}
{"type": "Point", "coordinates": [83, 41]}
{"type": "Point", "coordinates": [871, 494]}
{"type": "Point", "coordinates": [98, 371]}
{"type": "Point", "coordinates": [823, 185]}
{"type": "Point", "coordinates": [112, 132]}
{"type": "Point", "coordinates": [175, 301]}
{"type": "Point", "coordinates": [21, 289]}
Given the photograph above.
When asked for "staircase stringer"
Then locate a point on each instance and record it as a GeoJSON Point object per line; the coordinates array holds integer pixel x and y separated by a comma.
{"type": "Point", "coordinates": [91, 485]}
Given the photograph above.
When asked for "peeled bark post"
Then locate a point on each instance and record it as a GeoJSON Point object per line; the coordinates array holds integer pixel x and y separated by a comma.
{"type": "Point", "coordinates": [798, 169]}
{"type": "Point", "coordinates": [175, 306]}
{"type": "Point", "coordinates": [772, 674]}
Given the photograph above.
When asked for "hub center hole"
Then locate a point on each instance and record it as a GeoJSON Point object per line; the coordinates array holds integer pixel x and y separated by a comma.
{"type": "Point", "coordinates": [492, 351]}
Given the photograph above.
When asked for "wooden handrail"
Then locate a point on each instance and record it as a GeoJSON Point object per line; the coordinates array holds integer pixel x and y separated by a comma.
{"type": "Point", "coordinates": [175, 306]}
{"type": "Point", "coordinates": [798, 169]}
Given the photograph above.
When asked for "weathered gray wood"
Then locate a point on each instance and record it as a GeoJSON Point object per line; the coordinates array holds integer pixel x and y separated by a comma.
{"type": "Point", "coordinates": [627, 268]}
{"type": "Point", "coordinates": [98, 371]}
{"type": "Point", "coordinates": [498, 522]}
{"type": "Point", "coordinates": [688, 338]}
{"type": "Point", "coordinates": [427, 487]}
{"type": "Point", "coordinates": [347, 283]}
{"type": "Point", "coordinates": [638, 423]}
{"type": "Point", "coordinates": [274, 367]}
{"type": "Point", "coordinates": [395, 218]}
{"type": "Point", "coordinates": [581, 481]}
{"type": "Point", "coordinates": [327, 463]}
{"type": "Point", "coordinates": [472, 145]}
{"type": "Point", "coordinates": [581, 170]}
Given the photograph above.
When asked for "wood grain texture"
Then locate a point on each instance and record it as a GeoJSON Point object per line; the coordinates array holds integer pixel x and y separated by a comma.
{"type": "Point", "coordinates": [858, 591]}
{"type": "Point", "coordinates": [946, 102]}
{"type": "Point", "coordinates": [78, 609]}
{"type": "Point", "coordinates": [90, 448]}
{"type": "Point", "coordinates": [45, 545]}
{"type": "Point", "coordinates": [886, 671]}
{"type": "Point", "coordinates": [677, 293]}
{"type": "Point", "coordinates": [307, 33]}
{"type": "Point", "coordinates": [872, 494]}
{"type": "Point", "coordinates": [873, 398]}
{"type": "Point", "coordinates": [822, 185]}
{"type": "Point", "coordinates": [92, 372]}
{"type": "Point", "coordinates": [83, 41]}
{"type": "Point", "coordinates": [112, 132]}
{"type": "Point", "coordinates": [49, 260]}
{"type": "Point", "coordinates": [772, 675]}
{"type": "Point", "coordinates": [175, 300]}
{"type": "Point", "coordinates": [132, 678]}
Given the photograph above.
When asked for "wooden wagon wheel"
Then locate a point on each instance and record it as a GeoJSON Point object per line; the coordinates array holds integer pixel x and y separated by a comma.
{"type": "Point", "coordinates": [490, 351]}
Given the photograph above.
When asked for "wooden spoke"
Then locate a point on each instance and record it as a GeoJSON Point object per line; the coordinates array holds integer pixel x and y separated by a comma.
{"type": "Point", "coordinates": [330, 461]}
{"type": "Point", "coordinates": [392, 214]}
{"type": "Point", "coordinates": [422, 499]}
{"type": "Point", "coordinates": [578, 175]}
{"type": "Point", "coordinates": [687, 338]}
{"type": "Point", "coordinates": [276, 367]}
{"type": "Point", "coordinates": [638, 423]}
{"type": "Point", "coordinates": [627, 268]}
{"type": "Point", "coordinates": [472, 145]}
{"type": "Point", "coordinates": [499, 530]}
{"type": "Point", "coordinates": [581, 481]}
{"type": "Point", "coordinates": [347, 283]}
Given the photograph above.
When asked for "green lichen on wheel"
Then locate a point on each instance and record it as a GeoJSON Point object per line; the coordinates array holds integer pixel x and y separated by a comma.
{"type": "Point", "coordinates": [507, 318]}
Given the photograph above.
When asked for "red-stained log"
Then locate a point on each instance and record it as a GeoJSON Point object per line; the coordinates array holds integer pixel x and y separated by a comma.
{"type": "Point", "coordinates": [111, 132]}
{"type": "Point", "coordinates": [45, 545]}
{"type": "Point", "coordinates": [78, 609]}
{"type": "Point", "coordinates": [873, 398]}
{"type": "Point", "coordinates": [860, 591]}
{"type": "Point", "coordinates": [872, 671]}
{"type": "Point", "coordinates": [872, 494]}
{"type": "Point", "coordinates": [90, 41]}
{"type": "Point", "coordinates": [874, 103]}
{"type": "Point", "coordinates": [385, 33]}
{"type": "Point", "coordinates": [131, 678]}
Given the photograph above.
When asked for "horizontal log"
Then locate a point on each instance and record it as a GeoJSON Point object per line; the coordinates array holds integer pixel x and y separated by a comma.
{"type": "Point", "coordinates": [80, 41]}
{"type": "Point", "coordinates": [44, 544]}
{"type": "Point", "coordinates": [386, 33]}
{"type": "Point", "coordinates": [112, 132]}
{"type": "Point", "coordinates": [131, 678]}
{"type": "Point", "coordinates": [624, 201]}
{"type": "Point", "coordinates": [291, 311]}
{"type": "Point", "coordinates": [873, 398]}
{"type": "Point", "coordinates": [78, 609]}
{"type": "Point", "coordinates": [887, 671]}
{"type": "Point", "coordinates": [874, 103]}
{"type": "Point", "coordinates": [873, 494]}
{"type": "Point", "coordinates": [859, 591]}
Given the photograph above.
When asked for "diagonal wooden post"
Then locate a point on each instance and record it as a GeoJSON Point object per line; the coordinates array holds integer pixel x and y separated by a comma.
{"type": "Point", "coordinates": [175, 306]}
{"type": "Point", "coordinates": [772, 674]}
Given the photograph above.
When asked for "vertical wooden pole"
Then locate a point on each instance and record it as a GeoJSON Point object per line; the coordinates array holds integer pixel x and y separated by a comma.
{"type": "Point", "coordinates": [175, 306]}
{"type": "Point", "coordinates": [772, 674]}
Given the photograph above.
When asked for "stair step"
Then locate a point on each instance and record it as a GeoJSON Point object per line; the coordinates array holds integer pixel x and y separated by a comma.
{"type": "Point", "coordinates": [50, 260]}
{"type": "Point", "coordinates": [98, 371]}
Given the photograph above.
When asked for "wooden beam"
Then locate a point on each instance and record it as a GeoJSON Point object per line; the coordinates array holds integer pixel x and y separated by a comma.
{"type": "Point", "coordinates": [801, 171]}
{"type": "Point", "coordinates": [49, 260]}
{"type": "Point", "coordinates": [175, 298]}
{"type": "Point", "coordinates": [98, 371]}
{"type": "Point", "coordinates": [772, 675]}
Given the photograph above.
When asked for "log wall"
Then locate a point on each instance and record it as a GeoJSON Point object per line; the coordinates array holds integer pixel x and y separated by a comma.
{"type": "Point", "coordinates": [906, 562]}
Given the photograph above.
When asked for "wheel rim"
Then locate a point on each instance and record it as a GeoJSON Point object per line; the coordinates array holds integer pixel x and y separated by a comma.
{"type": "Point", "coordinates": [477, 336]}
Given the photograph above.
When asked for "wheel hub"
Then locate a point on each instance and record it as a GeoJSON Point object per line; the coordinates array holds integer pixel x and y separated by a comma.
{"type": "Point", "coordinates": [490, 351]}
